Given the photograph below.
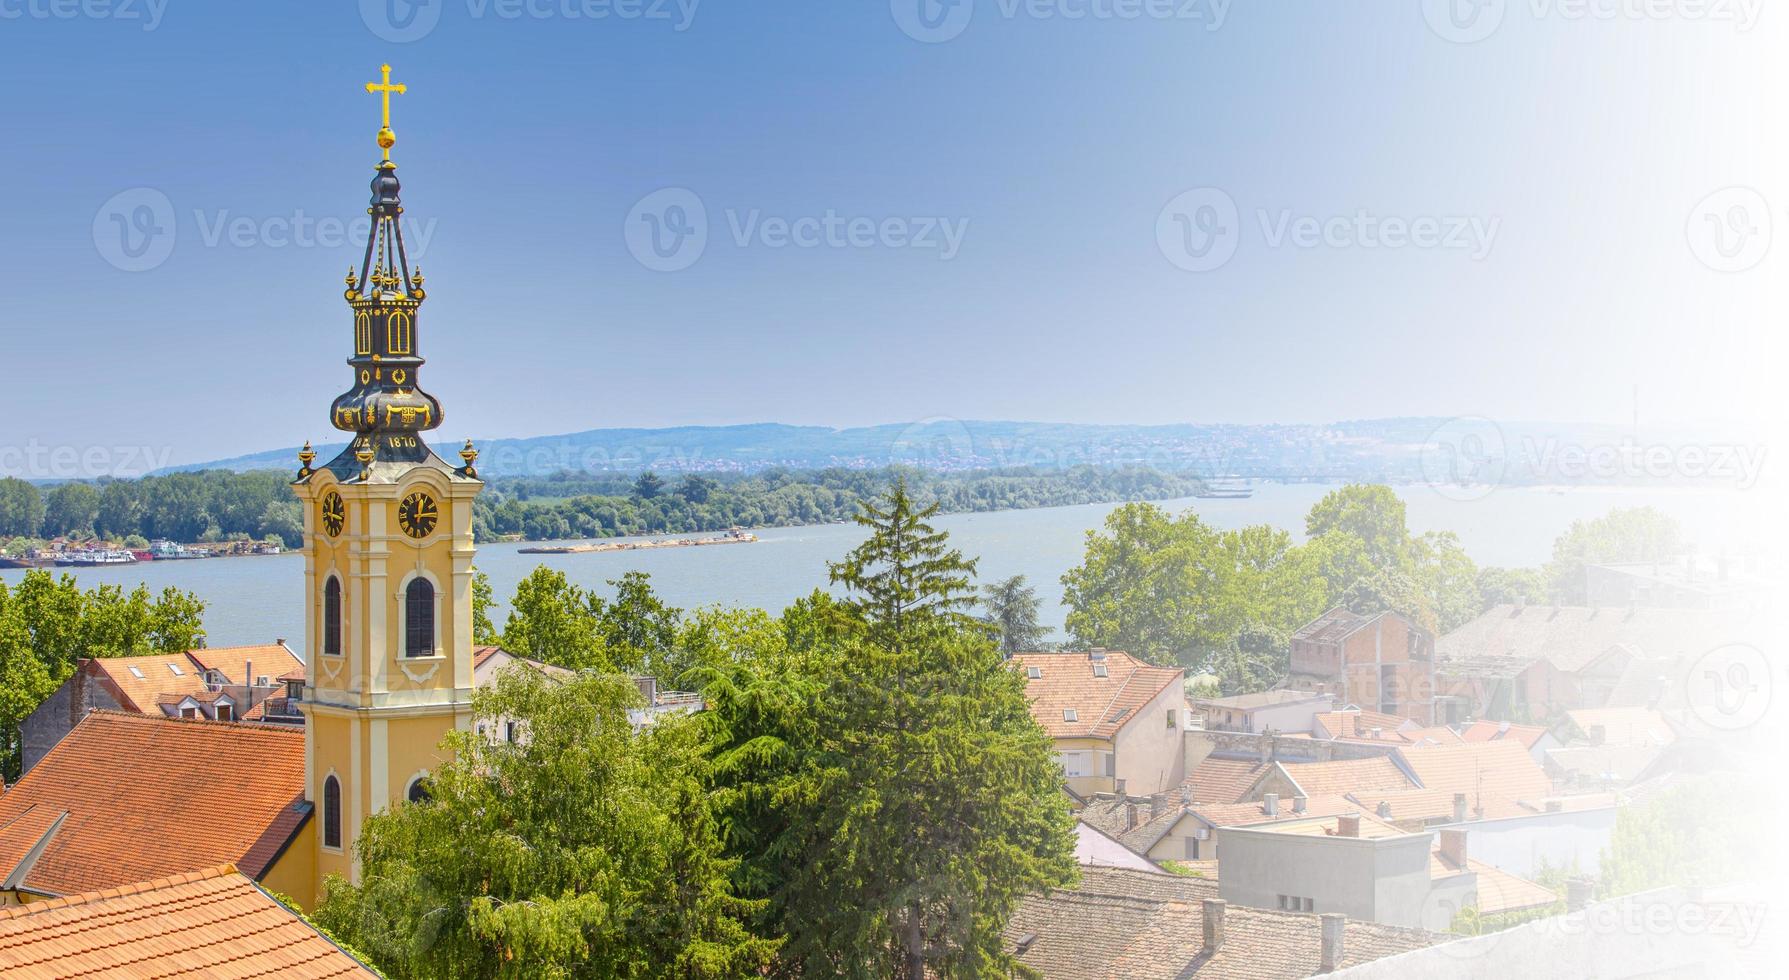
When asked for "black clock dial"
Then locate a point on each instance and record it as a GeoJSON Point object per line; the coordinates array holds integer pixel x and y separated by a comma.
{"type": "Point", "coordinates": [335, 513]}
{"type": "Point", "coordinates": [418, 515]}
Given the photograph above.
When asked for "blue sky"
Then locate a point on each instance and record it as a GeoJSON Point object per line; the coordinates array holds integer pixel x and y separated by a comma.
{"type": "Point", "coordinates": [1152, 212]}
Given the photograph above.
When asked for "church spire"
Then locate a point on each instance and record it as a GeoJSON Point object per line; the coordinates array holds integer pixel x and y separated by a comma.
{"type": "Point", "coordinates": [386, 410]}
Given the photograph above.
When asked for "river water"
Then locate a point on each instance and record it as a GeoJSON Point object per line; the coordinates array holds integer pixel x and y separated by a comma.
{"type": "Point", "coordinates": [255, 600]}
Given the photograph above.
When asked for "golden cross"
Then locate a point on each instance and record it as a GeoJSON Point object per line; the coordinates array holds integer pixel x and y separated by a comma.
{"type": "Point", "coordinates": [385, 88]}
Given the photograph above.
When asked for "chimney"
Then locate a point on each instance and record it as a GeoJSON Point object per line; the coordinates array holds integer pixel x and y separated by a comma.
{"type": "Point", "coordinates": [1348, 825]}
{"type": "Point", "coordinates": [1578, 892]}
{"type": "Point", "coordinates": [1333, 923]}
{"type": "Point", "coordinates": [1298, 803]}
{"type": "Point", "coordinates": [1384, 810]}
{"type": "Point", "coordinates": [1130, 816]}
{"type": "Point", "coordinates": [1459, 808]}
{"type": "Point", "coordinates": [1378, 734]}
{"type": "Point", "coordinates": [1598, 734]}
{"type": "Point", "coordinates": [1213, 924]}
{"type": "Point", "coordinates": [1118, 786]}
{"type": "Point", "coordinates": [1453, 847]}
{"type": "Point", "coordinates": [1270, 804]}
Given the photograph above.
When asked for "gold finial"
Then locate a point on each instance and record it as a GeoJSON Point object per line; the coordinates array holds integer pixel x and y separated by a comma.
{"type": "Point", "coordinates": [384, 87]}
{"type": "Point", "coordinates": [364, 453]}
{"type": "Point", "coordinates": [470, 455]}
{"type": "Point", "coordinates": [306, 457]}
{"type": "Point", "coordinates": [350, 279]}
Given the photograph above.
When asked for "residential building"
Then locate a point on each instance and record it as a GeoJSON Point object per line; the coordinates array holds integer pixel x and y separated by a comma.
{"type": "Point", "coordinates": [1121, 924]}
{"type": "Point", "coordinates": [1624, 727]}
{"type": "Point", "coordinates": [1556, 832]}
{"type": "Point", "coordinates": [1357, 725]}
{"type": "Point", "coordinates": [1383, 662]}
{"type": "Point", "coordinates": [1361, 867]}
{"type": "Point", "coordinates": [209, 923]}
{"type": "Point", "coordinates": [1685, 582]}
{"type": "Point", "coordinates": [131, 797]}
{"type": "Point", "coordinates": [1277, 711]}
{"type": "Point", "coordinates": [1095, 847]}
{"type": "Point", "coordinates": [1519, 662]}
{"type": "Point", "coordinates": [1116, 721]}
{"type": "Point", "coordinates": [225, 684]}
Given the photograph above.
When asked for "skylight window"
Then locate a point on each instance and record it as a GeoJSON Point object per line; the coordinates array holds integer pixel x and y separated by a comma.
{"type": "Point", "coordinates": [1068, 714]}
{"type": "Point", "coordinates": [1035, 673]}
{"type": "Point", "coordinates": [1099, 670]}
{"type": "Point", "coordinates": [175, 669]}
{"type": "Point", "coordinates": [137, 672]}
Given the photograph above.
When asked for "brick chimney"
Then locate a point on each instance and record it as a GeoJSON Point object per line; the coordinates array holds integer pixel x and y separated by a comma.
{"type": "Point", "coordinates": [1130, 816]}
{"type": "Point", "coordinates": [1348, 825]}
{"type": "Point", "coordinates": [1453, 847]}
{"type": "Point", "coordinates": [1333, 923]}
{"type": "Point", "coordinates": [1270, 804]}
{"type": "Point", "coordinates": [1459, 808]}
{"type": "Point", "coordinates": [1213, 922]}
{"type": "Point", "coordinates": [1118, 786]}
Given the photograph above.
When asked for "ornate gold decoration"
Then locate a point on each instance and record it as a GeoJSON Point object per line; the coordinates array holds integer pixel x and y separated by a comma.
{"type": "Point", "coordinates": [306, 457]}
{"type": "Point", "coordinates": [418, 515]}
{"type": "Point", "coordinates": [384, 88]}
{"type": "Point", "coordinates": [364, 453]}
{"type": "Point", "coordinates": [334, 513]}
{"type": "Point", "coordinates": [470, 455]}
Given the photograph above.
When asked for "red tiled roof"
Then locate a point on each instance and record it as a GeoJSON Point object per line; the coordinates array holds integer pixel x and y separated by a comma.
{"type": "Point", "coordinates": [1244, 814]}
{"type": "Point", "coordinates": [269, 660]}
{"type": "Point", "coordinates": [1102, 705]}
{"type": "Point", "coordinates": [1492, 731]}
{"type": "Point", "coordinates": [211, 923]}
{"type": "Point", "coordinates": [1625, 726]}
{"type": "Point", "coordinates": [1222, 780]}
{"type": "Point", "coordinates": [148, 796]}
{"type": "Point", "coordinates": [482, 654]}
{"type": "Point", "coordinates": [1343, 776]}
{"type": "Point", "coordinates": [1479, 769]}
{"type": "Point", "coordinates": [141, 694]}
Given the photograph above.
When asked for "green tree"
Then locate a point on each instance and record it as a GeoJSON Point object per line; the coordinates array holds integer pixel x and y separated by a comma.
{"type": "Point", "coordinates": [1373, 515]}
{"type": "Point", "coordinates": [1011, 609]}
{"type": "Point", "coordinates": [70, 509]}
{"type": "Point", "coordinates": [1506, 586]}
{"type": "Point", "coordinates": [1634, 534]}
{"type": "Point", "coordinates": [484, 632]}
{"type": "Point", "coordinates": [649, 486]}
{"type": "Point", "coordinates": [584, 849]}
{"type": "Point", "coordinates": [696, 489]}
{"type": "Point", "coordinates": [639, 631]}
{"type": "Point", "coordinates": [1690, 835]}
{"type": "Point", "coordinates": [21, 508]}
{"type": "Point", "coordinates": [906, 576]}
{"type": "Point", "coordinates": [556, 622]}
{"type": "Point", "coordinates": [881, 777]}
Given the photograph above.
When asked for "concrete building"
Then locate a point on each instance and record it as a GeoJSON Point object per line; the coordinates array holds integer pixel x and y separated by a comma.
{"type": "Point", "coordinates": [1356, 865]}
{"type": "Point", "coordinates": [1277, 711]}
{"type": "Point", "coordinates": [1382, 662]}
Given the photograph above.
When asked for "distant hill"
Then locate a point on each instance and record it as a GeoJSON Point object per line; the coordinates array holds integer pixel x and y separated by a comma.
{"type": "Point", "coordinates": [1396, 450]}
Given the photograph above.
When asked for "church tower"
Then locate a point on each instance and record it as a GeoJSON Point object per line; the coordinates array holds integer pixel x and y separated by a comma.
{"type": "Point", "coordinates": [388, 557]}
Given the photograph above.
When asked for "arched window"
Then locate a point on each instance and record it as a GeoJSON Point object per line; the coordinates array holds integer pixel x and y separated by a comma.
{"type": "Point", "coordinates": [419, 619]}
{"type": "Point", "coordinates": [418, 791]}
{"type": "Point", "coordinates": [332, 617]}
{"type": "Point", "coordinates": [332, 812]}
{"type": "Point", "coordinates": [363, 334]}
{"type": "Point", "coordinates": [397, 333]}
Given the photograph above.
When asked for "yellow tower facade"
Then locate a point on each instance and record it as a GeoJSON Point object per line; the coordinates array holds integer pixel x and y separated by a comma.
{"type": "Point", "coordinates": [388, 561]}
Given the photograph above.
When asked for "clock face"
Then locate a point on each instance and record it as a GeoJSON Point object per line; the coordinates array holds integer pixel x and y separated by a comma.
{"type": "Point", "coordinates": [335, 514]}
{"type": "Point", "coordinates": [417, 515]}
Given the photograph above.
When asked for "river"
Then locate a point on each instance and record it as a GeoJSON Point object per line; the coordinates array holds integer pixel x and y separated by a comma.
{"type": "Point", "coordinates": [255, 600]}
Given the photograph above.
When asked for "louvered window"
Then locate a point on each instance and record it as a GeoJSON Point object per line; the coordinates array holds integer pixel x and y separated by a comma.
{"type": "Point", "coordinates": [419, 619]}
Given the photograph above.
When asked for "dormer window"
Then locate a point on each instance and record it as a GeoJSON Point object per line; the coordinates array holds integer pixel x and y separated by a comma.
{"type": "Point", "coordinates": [226, 711]}
{"type": "Point", "coordinates": [1069, 714]}
{"type": "Point", "coordinates": [1099, 670]}
{"type": "Point", "coordinates": [1035, 673]}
